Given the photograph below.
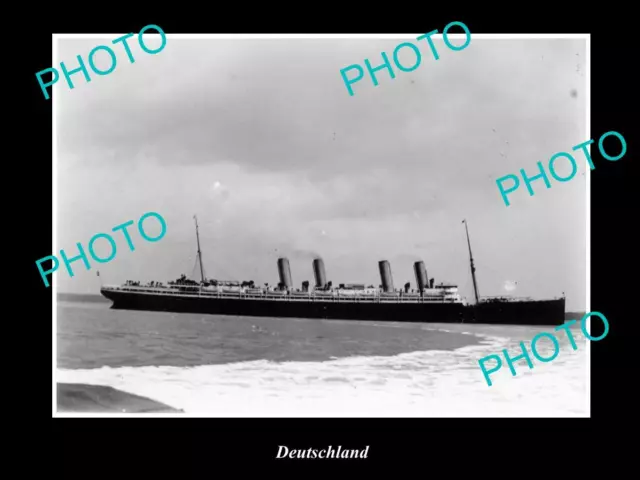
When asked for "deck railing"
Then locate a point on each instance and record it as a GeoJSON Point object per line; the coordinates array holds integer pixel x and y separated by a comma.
{"type": "Point", "coordinates": [284, 297]}
{"type": "Point", "coordinates": [503, 298]}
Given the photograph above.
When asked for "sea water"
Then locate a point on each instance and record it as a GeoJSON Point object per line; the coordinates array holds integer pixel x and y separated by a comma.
{"type": "Point", "coordinates": [217, 365]}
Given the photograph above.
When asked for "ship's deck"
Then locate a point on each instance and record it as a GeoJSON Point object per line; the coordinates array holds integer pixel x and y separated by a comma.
{"type": "Point", "coordinates": [290, 297]}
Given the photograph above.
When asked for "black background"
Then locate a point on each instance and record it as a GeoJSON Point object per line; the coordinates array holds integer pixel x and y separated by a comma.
{"type": "Point", "coordinates": [190, 448]}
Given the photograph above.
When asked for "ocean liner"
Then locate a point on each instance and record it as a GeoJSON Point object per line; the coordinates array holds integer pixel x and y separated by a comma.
{"type": "Point", "coordinates": [427, 303]}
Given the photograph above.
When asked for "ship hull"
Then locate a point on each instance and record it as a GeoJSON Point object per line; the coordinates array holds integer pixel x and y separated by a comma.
{"type": "Point", "coordinates": [526, 313]}
{"type": "Point", "coordinates": [523, 312]}
{"type": "Point", "coordinates": [391, 312]}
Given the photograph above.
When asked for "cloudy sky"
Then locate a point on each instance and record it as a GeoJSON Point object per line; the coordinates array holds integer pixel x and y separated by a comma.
{"type": "Point", "coordinates": [260, 139]}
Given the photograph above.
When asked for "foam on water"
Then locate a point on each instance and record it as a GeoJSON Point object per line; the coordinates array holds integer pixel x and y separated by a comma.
{"type": "Point", "coordinates": [430, 384]}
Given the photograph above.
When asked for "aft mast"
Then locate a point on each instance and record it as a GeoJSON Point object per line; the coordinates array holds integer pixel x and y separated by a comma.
{"type": "Point", "coordinates": [199, 252]}
{"type": "Point", "coordinates": [473, 268]}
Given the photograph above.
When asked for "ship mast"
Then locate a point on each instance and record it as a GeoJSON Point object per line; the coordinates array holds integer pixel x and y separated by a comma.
{"type": "Point", "coordinates": [473, 268]}
{"type": "Point", "coordinates": [199, 252]}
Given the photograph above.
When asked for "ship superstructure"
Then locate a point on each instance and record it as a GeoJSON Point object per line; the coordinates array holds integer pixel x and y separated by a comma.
{"type": "Point", "coordinates": [427, 302]}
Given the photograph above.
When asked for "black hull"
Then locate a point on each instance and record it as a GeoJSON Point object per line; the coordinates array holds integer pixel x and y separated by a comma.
{"type": "Point", "coordinates": [390, 312]}
{"type": "Point", "coordinates": [549, 312]}
{"type": "Point", "coordinates": [534, 312]}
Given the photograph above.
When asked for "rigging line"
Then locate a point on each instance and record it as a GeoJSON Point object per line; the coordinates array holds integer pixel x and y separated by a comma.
{"type": "Point", "coordinates": [195, 266]}
{"type": "Point", "coordinates": [203, 270]}
{"type": "Point", "coordinates": [193, 270]}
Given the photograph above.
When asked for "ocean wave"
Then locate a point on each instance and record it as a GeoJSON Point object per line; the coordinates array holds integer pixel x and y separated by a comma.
{"type": "Point", "coordinates": [431, 383]}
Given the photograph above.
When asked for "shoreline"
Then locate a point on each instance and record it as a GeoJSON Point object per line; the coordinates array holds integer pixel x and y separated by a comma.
{"type": "Point", "coordinates": [84, 398]}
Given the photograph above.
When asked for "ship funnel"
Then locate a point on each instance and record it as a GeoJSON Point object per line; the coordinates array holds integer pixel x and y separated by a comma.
{"type": "Point", "coordinates": [319, 273]}
{"type": "Point", "coordinates": [385, 276]}
{"type": "Point", "coordinates": [285, 273]}
{"type": "Point", "coordinates": [421, 275]}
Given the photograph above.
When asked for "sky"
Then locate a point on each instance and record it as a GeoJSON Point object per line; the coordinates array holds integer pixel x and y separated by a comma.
{"type": "Point", "coordinates": [261, 140]}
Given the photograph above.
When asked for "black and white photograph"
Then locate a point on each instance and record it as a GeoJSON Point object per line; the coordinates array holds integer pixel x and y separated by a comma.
{"type": "Point", "coordinates": [253, 229]}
